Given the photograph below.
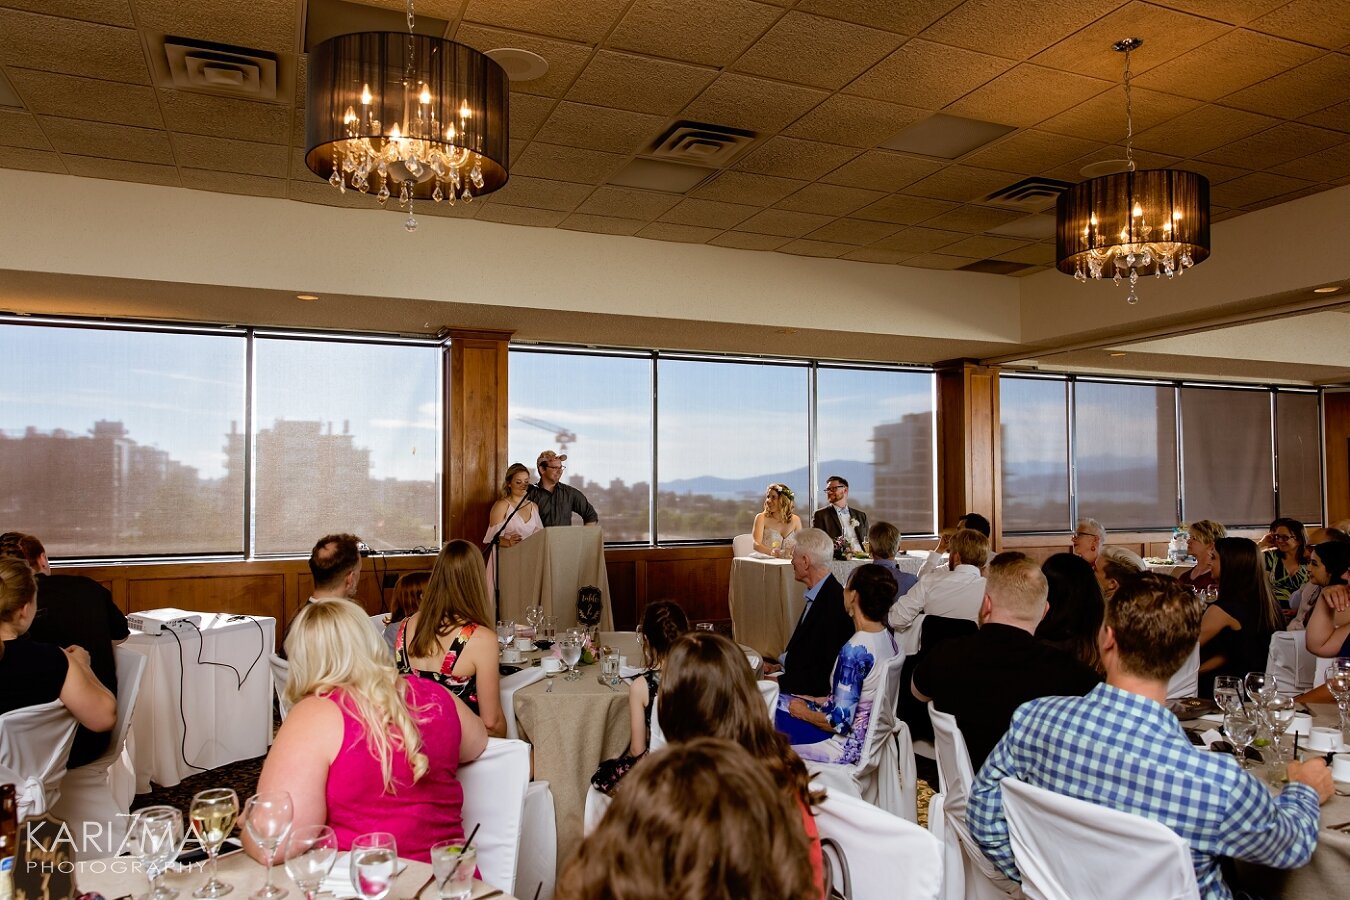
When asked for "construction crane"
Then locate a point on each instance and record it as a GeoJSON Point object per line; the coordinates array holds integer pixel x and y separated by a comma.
{"type": "Point", "coordinates": [560, 434]}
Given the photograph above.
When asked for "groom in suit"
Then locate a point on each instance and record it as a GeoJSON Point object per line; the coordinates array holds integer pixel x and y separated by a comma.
{"type": "Point", "coordinates": [837, 517]}
{"type": "Point", "coordinates": [823, 627]}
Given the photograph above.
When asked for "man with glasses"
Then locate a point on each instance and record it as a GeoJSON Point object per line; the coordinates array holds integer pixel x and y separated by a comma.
{"type": "Point", "coordinates": [1088, 539]}
{"type": "Point", "coordinates": [837, 518]}
{"type": "Point", "coordinates": [557, 501]}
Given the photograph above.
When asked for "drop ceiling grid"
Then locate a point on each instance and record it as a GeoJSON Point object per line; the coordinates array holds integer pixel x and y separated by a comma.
{"type": "Point", "coordinates": [817, 77]}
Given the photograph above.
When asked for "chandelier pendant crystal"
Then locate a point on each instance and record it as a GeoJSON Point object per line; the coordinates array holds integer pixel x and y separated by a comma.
{"type": "Point", "coordinates": [408, 115]}
{"type": "Point", "coordinates": [1133, 223]}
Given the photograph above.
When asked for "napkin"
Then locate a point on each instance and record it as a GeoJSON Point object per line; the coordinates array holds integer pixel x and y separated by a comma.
{"type": "Point", "coordinates": [631, 671]}
{"type": "Point", "coordinates": [1210, 736]}
{"type": "Point", "coordinates": [339, 881]}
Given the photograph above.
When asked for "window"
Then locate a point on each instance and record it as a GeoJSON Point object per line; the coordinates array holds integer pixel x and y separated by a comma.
{"type": "Point", "coordinates": [1035, 427]}
{"type": "Point", "coordinates": [875, 428]}
{"type": "Point", "coordinates": [1298, 441]}
{"type": "Point", "coordinates": [346, 438]}
{"type": "Point", "coordinates": [597, 410]}
{"type": "Point", "coordinates": [1125, 454]}
{"type": "Point", "coordinates": [114, 442]}
{"type": "Point", "coordinates": [1226, 455]}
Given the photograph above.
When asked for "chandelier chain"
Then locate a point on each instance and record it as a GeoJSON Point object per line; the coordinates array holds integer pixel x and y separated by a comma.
{"type": "Point", "coordinates": [1129, 114]}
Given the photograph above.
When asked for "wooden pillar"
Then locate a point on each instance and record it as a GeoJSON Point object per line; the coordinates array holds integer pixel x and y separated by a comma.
{"type": "Point", "coordinates": [968, 445]}
{"type": "Point", "coordinates": [475, 429]}
{"type": "Point", "coordinates": [1336, 431]}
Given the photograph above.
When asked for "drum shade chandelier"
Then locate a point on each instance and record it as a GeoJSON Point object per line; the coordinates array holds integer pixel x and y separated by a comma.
{"type": "Point", "coordinates": [1132, 223]}
{"type": "Point", "coordinates": [408, 115]}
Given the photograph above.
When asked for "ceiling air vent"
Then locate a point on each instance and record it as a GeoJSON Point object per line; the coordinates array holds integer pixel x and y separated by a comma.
{"type": "Point", "coordinates": [701, 144]}
{"type": "Point", "coordinates": [1032, 194]}
{"type": "Point", "coordinates": [994, 267]}
{"type": "Point", "coordinates": [218, 69]}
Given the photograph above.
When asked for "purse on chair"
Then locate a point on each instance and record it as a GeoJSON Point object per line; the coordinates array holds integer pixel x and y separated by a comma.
{"type": "Point", "coordinates": [834, 861]}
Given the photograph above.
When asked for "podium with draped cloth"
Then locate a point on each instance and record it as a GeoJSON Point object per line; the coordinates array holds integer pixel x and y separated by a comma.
{"type": "Point", "coordinates": [547, 568]}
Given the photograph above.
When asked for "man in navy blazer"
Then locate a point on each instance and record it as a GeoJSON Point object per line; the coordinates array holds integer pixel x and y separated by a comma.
{"type": "Point", "coordinates": [823, 627]}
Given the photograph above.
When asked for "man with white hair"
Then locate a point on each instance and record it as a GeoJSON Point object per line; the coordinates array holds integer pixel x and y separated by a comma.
{"type": "Point", "coordinates": [1088, 539]}
{"type": "Point", "coordinates": [822, 628]}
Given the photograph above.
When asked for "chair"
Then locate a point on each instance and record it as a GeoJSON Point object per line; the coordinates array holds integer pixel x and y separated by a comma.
{"type": "Point", "coordinates": [768, 689]}
{"type": "Point", "coordinates": [86, 792]}
{"type": "Point", "coordinates": [495, 785]}
{"type": "Point", "coordinates": [968, 873]}
{"type": "Point", "coordinates": [379, 621]}
{"type": "Point", "coordinates": [1291, 663]}
{"type": "Point", "coordinates": [1068, 848]}
{"type": "Point", "coordinates": [743, 545]}
{"type": "Point", "coordinates": [597, 804]}
{"type": "Point", "coordinates": [509, 685]}
{"type": "Point", "coordinates": [34, 746]}
{"type": "Point", "coordinates": [884, 774]}
{"type": "Point", "coordinates": [889, 858]}
{"type": "Point", "coordinates": [1185, 682]}
{"type": "Point", "coordinates": [281, 675]}
{"type": "Point", "coordinates": [537, 862]}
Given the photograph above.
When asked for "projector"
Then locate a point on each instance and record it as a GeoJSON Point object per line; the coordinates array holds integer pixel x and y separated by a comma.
{"type": "Point", "coordinates": [148, 624]}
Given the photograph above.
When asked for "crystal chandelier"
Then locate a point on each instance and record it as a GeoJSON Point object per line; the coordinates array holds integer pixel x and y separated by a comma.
{"type": "Point", "coordinates": [1132, 223]}
{"type": "Point", "coordinates": [408, 115]}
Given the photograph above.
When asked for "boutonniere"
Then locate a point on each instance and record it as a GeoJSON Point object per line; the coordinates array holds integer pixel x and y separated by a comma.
{"type": "Point", "coordinates": [853, 522]}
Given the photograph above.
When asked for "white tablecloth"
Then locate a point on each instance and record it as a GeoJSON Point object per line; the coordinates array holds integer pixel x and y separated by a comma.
{"type": "Point", "coordinates": [766, 599]}
{"type": "Point", "coordinates": [1173, 569]}
{"type": "Point", "coordinates": [225, 721]}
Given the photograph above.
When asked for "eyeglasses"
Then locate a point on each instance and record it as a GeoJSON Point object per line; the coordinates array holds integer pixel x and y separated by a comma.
{"type": "Point", "coordinates": [1083, 534]}
{"type": "Point", "coordinates": [558, 466]}
{"type": "Point", "coordinates": [1283, 538]}
{"type": "Point", "coordinates": [831, 488]}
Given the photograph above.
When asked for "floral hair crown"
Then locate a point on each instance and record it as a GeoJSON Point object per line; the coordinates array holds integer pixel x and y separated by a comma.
{"type": "Point", "coordinates": [786, 492]}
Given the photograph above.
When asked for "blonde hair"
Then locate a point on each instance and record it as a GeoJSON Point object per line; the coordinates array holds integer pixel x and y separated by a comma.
{"type": "Point", "coordinates": [786, 504]}
{"type": "Point", "coordinates": [1207, 531]}
{"type": "Point", "coordinates": [332, 647]}
{"type": "Point", "coordinates": [1018, 586]}
{"type": "Point", "coordinates": [512, 471]}
{"type": "Point", "coordinates": [18, 587]}
{"type": "Point", "coordinates": [455, 596]}
{"type": "Point", "coordinates": [971, 546]}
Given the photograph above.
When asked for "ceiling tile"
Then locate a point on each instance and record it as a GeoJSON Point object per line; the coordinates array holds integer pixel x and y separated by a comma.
{"type": "Point", "coordinates": [247, 120]}
{"type": "Point", "coordinates": [640, 83]}
{"type": "Point", "coordinates": [830, 199]}
{"type": "Point", "coordinates": [873, 255]}
{"type": "Point", "coordinates": [822, 249]}
{"type": "Point", "coordinates": [21, 129]}
{"type": "Point", "coordinates": [927, 75]}
{"type": "Point", "coordinates": [742, 240]}
{"type": "Point", "coordinates": [882, 170]}
{"type": "Point", "coordinates": [1269, 148]}
{"type": "Point", "coordinates": [973, 219]}
{"type": "Point", "coordinates": [541, 193]}
{"type": "Point", "coordinates": [121, 170]}
{"type": "Point", "coordinates": [566, 163]}
{"type": "Point", "coordinates": [600, 128]}
{"type": "Point", "coordinates": [519, 215]}
{"type": "Point", "coordinates": [1285, 198]}
{"type": "Point", "coordinates": [600, 224]}
{"type": "Point", "coordinates": [904, 210]}
{"type": "Point", "coordinates": [1327, 165]}
{"type": "Point", "coordinates": [747, 187]}
{"type": "Point", "coordinates": [854, 231]}
{"type": "Point", "coordinates": [1031, 152]}
{"type": "Point", "coordinates": [754, 104]}
{"type": "Point", "coordinates": [785, 223]}
{"type": "Point", "coordinates": [1228, 63]}
{"type": "Point", "coordinates": [565, 59]}
{"type": "Point", "coordinates": [920, 240]}
{"type": "Point", "coordinates": [320, 192]}
{"type": "Point", "coordinates": [988, 24]}
{"type": "Point", "coordinates": [256, 24]}
{"type": "Point", "coordinates": [908, 17]}
{"type": "Point", "coordinates": [983, 246]}
{"type": "Point", "coordinates": [528, 112]}
{"type": "Point", "coordinates": [108, 12]}
{"type": "Point", "coordinates": [1215, 172]}
{"type": "Point", "coordinates": [710, 32]}
{"type": "Point", "coordinates": [1201, 130]}
{"type": "Point", "coordinates": [1032, 254]}
{"type": "Point", "coordinates": [578, 20]}
{"type": "Point", "coordinates": [1167, 34]}
{"type": "Point", "coordinates": [1337, 117]}
{"type": "Point", "coordinates": [233, 183]}
{"type": "Point", "coordinates": [1254, 188]}
{"type": "Point", "coordinates": [709, 213]}
{"type": "Point", "coordinates": [31, 160]}
{"type": "Point", "coordinates": [1323, 23]}
{"type": "Point", "coordinates": [445, 210]}
{"type": "Point", "coordinates": [53, 94]}
{"type": "Point", "coordinates": [687, 234]}
{"type": "Point", "coordinates": [790, 157]}
{"type": "Point", "coordinates": [111, 141]}
{"type": "Point", "coordinates": [1102, 118]}
{"type": "Point", "coordinates": [30, 41]}
{"type": "Point", "coordinates": [197, 151]}
{"type": "Point", "coordinates": [1299, 91]}
{"type": "Point", "coordinates": [1143, 159]}
{"type": "Point", "coordinates": [1026, 95]}
{"type": "Point", "coordinates": [936, 261]}
{"type": "Point", "coordinates": [627, 203]}
{"type": "Point", "coordinates": [820, 52]}
{"type": "Point", "coordinates": [1234, 12]}
{"type": "Point", "coordinates": [962, 184]}
{"type": "Point", "coordinates": [855, 121]}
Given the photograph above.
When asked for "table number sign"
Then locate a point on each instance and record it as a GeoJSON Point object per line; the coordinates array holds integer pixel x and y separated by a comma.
{"type": "Point", "coordinates": [44, 866]}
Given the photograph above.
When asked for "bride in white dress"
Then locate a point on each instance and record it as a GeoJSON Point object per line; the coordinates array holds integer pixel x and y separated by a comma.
{"type": "Point", "coordinates": [523, 524]}
{"type": "Point", "coordinates": [776, 527]}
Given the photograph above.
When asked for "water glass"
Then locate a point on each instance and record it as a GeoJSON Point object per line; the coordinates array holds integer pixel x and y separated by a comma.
{"type": "Point", "coordinates": [1241, 730]}
{"type": "Point", "coordinates": [571, 655]}
{"type": "Point", "coordinates": [155, 837]}
{"type": "Point", "coordinates": [212, 814]}
{"type": "Point", "coordinates": [374, 863]}
{"type": "Point", "coordinates": [310, 853]}
{"type": "Point", "coordinates": [453, 865]}
{"type": "Point", "coordinates": [267, 818]}
{"type": "Point", "coordinates": [609, 668]}
{"type": "Point", "coordinates": [549, 624]}
{"type": "Point", "coordinates": [1228, 693]}
{"type": "Point", "coordinates": [1338, 682]}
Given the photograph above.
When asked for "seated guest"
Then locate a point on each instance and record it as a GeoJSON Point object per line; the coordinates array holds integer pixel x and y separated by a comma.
{"type": "Point", "coordinates": [662, 623]}
{"type": "Point", "coordinates": [838, 518]}
{"type": "Point", "coordinates": [709, 690]}
{"type": "Point", "coordinates": [1115, 564]}
{"type": "Point", "coordinates": [406, 600]}
{"type": "Point", "coordinates": [1327, 566]}
{"type": "Point", "coordinates": [700, 819]}
{"type": "Point", "coordinates": [1286, 558]}
{"type": "Point", "coordinates": [73, 610]}
{"type": "Point", "coordinates": [364, 748]}
{"type": "Point", "coordinates": [1088, 538]}
{"type": "Point", "coordinates": [777, 524]}
{"type": "Point", "coordinates": [883, 539]}
{"type": "Point", "coordinates": [982, 678]}
{"type": "Point", "coordinates": [1235, 632]}
{"type": "Point", "coordinates": [1200, 538]}
{"type": "Point", "coordinates": [956, 594]}
{"type": "Point", "coordinates": [832, 729]}
{"type": "Point", "coordinates": [335, 563]}
{"type": "Point", "coordinates": [1329, 625]}
{"type": "Point", "coordinates": [33, 673]}
{"type": "Point", "coordinates": [934, 562]}
{"type": "Point", "coordinates": [450, 640]}
{"type": "Point", "coordinates": [1076, 607]}
{"type": "Point", "coordinates": [1121, 747]}
{"type": "Point", "coordinates": [823, 626]}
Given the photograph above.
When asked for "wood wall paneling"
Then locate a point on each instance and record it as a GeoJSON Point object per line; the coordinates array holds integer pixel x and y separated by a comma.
{"type": "Point", "coordinates": [475, 443]}
{"type": "Point", "coordinates": [698, 578]}
{"type": "Point", "coordinates": [1336, 430]}
{"type": "Point", "coordinates": [968, 442]}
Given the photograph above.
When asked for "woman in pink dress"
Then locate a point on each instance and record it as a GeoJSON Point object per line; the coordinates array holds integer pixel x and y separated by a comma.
{"type": "Point", "coordinates": [524, 523]}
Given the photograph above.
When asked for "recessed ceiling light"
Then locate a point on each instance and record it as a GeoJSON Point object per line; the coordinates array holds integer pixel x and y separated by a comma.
{"type": "Point", "coordinates": [520, 65]}
{"type": "Point", "coordinates": [1118, 353]}
{"type": "Point", "coordinates": [307, 297]}
{"type": "Point", "coordinates": [1329, 289]}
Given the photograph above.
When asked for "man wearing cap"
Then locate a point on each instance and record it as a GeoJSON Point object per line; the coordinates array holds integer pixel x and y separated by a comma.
{"type": "Point", "coordinates": [557, 501]}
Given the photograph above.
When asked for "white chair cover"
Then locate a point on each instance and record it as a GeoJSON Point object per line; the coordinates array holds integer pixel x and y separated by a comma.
{"type": "Point", "coordinates": [743, 545]}
{"type": "Point", "coordinates": [34, 746]}
{"type": "Point", "coordinates": [1068, 849]}
{"type": "Point", "coordinates": [1320, 666]}
{"type": "Point", "coordinates": [494, 797]}
{"type": "Point", "coordinates": [597, 804]}
{"type": "Point", "coordinates": [509, 685]}
{"type": "Point", "coordinates": [1291, 663]}
{"type": "Point", "coordinates": [88, 804]}
{"type": "Point", "coordinates": [768, 689]}
{"type": "Point", "coordinates": [969, 873]}
{"type": "Point", "coordinates": [889, 858]}
{"type": "Point", "coordinates": [378, 621]}
{"type": "Point", "coordinates": [538, 861]}
{"type": "Point", "coordinates": [281, 674]}
{"type": "Point", "coordinates": [885, 774]}
{"type": "Point", "coordinates": [1185, 682]}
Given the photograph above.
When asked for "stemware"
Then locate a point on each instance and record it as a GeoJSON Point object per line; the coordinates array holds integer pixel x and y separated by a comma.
{"type": "Point", "coordinates": [452, 864]}
{"type": "Point", "coordinates": [155, 837]}
{"type": "Point", "coordinates": [506, 632]}
{"type": "Point", "coordinates": [212, 814]}
{"type": "Point", "coordinates": [533, 616]}
{"type": "Point", "coordinates": [1241, 729]}
{"type": "Point", "coordinates": [571, 655]}
{"type": "Point", "coordinates": [310, 853]}
{"type": "Point", "coordinates": [1338, 682]}
{"type": "Point", "coordinates": [1261, 687]}
{"type": "Point", "coordinates": [549, 624]}
{"type": "Point", "coordinates": [373, 861]}
{"type": "Point", "coordinates": [267, 817]}
{"type": "Point", "coordinates": [1228, 693]}
{"type": "Point", "coordinates": [1280, 713]}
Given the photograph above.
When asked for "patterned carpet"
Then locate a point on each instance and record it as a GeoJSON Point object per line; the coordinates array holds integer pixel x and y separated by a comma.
{"type": "Point", "coordinates": [242, 776]}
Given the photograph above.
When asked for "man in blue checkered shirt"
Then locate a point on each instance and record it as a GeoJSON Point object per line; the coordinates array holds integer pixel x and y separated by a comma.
{"type": "Point", "coordinates": [1119, 746]}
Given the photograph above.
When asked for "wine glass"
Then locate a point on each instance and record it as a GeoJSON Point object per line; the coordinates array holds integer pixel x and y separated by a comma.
{"type": "Point", "coordinates": [571, 655]}
{"type": "Point", "coordinates": [155, 837]}
{"type": "Point", "coordinates": [1228, 698]}
{"type": "Point", "coordinates": [1261, 687]}
{"type": "Point", "coordinates": [533, 616]}
{"type": "Point", "coordinates": [1280, 713]}
{"type": "Point", "coordinates": [212, 814]}
{"type": "Point", "coordinates": [374, 860]}
{"type": "Point", "coordinates": [1338, 682]}
{"type": "Point", "coordinates": [310, 853]}
{"type": "Point", "coordinates": [267, 817]}
{"type": "Point", "coordinates": [1241, 729]}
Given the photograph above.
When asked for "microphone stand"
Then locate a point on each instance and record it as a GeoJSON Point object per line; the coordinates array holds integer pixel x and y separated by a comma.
{"type": "Point", "coordinates": [495, 544]}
